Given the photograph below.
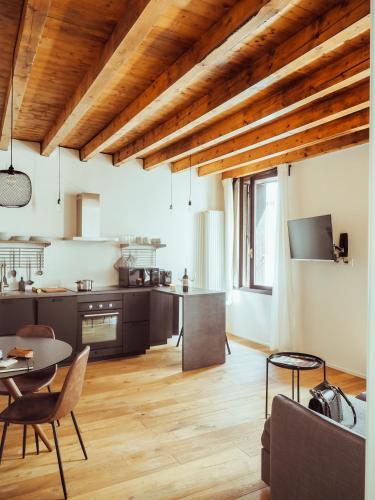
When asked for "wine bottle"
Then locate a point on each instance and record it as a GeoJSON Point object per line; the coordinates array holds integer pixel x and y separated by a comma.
{"type": "Point", "coordinates": [185, 281]}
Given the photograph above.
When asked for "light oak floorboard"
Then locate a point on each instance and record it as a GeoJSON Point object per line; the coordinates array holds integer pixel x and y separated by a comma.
{"type": "Point", "coordinates": [153, 432]}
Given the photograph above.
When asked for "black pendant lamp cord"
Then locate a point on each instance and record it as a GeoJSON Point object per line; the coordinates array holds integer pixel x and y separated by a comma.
{"type": "Point", "coordinates": [171, 205]}
{"type": "Point", "coordinates": [190, 183]}
{"type": "Point", "coordinates": [59, 198]}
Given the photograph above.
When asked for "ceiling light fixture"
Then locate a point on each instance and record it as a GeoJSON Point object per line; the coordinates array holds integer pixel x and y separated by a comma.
{"type": "Point", "coordinates": [15, 186]}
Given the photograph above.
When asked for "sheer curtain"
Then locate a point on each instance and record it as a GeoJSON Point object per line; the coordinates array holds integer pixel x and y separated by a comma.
{"type": "Point", "coordinates": [282, 315]}
{"type": "Point", "coordinates": [228, 237]}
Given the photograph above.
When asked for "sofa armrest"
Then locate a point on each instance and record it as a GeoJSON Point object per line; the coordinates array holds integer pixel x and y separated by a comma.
{"type": "Point", "coordinates": [312, 457]}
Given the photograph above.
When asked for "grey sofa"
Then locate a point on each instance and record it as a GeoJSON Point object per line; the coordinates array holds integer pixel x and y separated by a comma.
{"type": "Point", "coordinates": [306, 456]}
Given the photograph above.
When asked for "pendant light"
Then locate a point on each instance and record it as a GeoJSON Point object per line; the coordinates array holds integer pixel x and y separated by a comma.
{"type": "Point", "coordinates": [59, 197]}
{"type": "Point", "coordinates": [15, 186]}
{"type": "Point", "coordinates": [171, 205]}
{"type": "Point", "coordinates": [190, 184]}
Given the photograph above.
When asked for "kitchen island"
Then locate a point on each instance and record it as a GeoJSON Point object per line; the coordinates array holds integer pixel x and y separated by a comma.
{"type": "Point", "coordinates": [203, 324]}
{"type": "Point", "coordinates": [134, 319]}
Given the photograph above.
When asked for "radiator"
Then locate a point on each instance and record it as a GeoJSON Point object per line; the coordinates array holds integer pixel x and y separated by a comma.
{"type": "Point", "coordinates": [210, 250]}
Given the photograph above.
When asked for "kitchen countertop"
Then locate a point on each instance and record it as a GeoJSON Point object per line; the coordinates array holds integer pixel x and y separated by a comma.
{"type": "Point", "coordinates": [107, 289]}
{"type": "Point", "coordinates": [70, 293]}
{"type": "Point", "coordinates": [191, 292]}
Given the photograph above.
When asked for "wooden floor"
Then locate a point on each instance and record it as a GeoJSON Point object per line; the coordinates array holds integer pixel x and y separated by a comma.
{"type": "Point", "coordinates": [153, 432]}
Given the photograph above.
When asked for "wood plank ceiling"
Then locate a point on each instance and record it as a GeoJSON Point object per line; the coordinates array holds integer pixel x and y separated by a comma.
{"type": "Point", "coordinates": [222, 85]}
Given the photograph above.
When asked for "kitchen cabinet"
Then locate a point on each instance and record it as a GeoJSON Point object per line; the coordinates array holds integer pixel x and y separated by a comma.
{"type": "Point", "coordinates": [161, 318]}
{"type": "Point", "coordinates": [136, 314]}
{"type": "Point", "coordinates": [15, 313]}
{"type": "Point", "coordinates": [61, 314]}
{"type": "Point", "coordinates": [136, 337]}
{"type": "Point", "coordinates": [136, 306]}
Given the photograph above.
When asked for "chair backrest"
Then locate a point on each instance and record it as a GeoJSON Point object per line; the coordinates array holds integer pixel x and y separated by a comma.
{"type": "Point", "coordinates": [36, 331]}
{"type": "Point", "coordinates": [73, 384]}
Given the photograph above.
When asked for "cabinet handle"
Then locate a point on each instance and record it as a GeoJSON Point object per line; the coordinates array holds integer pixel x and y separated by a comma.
{"type": "Point", "coordinates": [100, 314]}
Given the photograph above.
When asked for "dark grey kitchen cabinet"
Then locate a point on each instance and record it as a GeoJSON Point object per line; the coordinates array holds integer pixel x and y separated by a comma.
{"type": "Point", "coordinates": [136, 306]}
{"type": "Point", "coordinates": [161, 318]}
{"type": "Point", "coordinates": [61, 314]}
{"type": "Point", "coordinates": [15, 313]}
{"type": "Point", "coordinates": [136, 314]}
{"type": "Point", "coordinates": [136, 337]}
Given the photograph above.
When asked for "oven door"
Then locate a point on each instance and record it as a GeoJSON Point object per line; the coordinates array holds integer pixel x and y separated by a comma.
{"type": "Point", "coordinates": [101, 330]}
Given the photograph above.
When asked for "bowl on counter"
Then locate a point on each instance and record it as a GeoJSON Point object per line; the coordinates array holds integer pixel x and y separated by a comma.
{"type": "Point", "coordinates": [5, 236]}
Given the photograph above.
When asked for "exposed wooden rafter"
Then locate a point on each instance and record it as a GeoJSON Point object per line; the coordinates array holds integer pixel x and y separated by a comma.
{"type": "Point", "coordinates": [246, 18]}
{"type": "Point", "coordinates": [125, 40]}
{"type": "Point", "coordinates": [349, 123]}
{"type": "Point", "coordinates": [332, 30]}
{"type": "Point", "coordinates": [330, 78]}
{"type": "Point", "coordinates": [324, 147]}
{"type": "Point", "coordinates": [329, 108]}
{"type": "Point", "coordinates": [32, 23]}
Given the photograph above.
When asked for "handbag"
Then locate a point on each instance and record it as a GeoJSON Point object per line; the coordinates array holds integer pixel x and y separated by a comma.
{"type": "Point", "coordinates": [327, 400]}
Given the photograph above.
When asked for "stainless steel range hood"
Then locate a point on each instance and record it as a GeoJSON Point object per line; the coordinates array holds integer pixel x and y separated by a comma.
{"type": "Point", "coordinates": [88, 218]}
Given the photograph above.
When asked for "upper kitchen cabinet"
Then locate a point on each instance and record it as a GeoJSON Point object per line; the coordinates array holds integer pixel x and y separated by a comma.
{"type": "Point", "coordinates": [15, 313]}
{"type": "Point", "coordinates": [61, 314]}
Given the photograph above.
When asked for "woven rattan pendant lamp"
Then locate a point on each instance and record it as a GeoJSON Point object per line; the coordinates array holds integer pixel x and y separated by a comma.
{"type": "Point", "coordinates": [15, 186]}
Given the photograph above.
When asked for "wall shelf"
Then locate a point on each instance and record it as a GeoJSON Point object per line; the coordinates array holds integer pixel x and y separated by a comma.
{"type": "Point", "coordinates": [35, 243]}
{"type": "Point", "coordinates": [148, 245]}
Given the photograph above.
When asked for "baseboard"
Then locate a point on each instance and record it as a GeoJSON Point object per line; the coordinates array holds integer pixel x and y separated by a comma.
{"type": "Point", "coordinates": [345, 370]}
{"type": "Point", "coordinates": [330, 365]}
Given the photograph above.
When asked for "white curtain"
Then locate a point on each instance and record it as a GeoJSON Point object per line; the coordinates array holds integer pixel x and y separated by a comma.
{"type": "Point", "coordinates": [228, 237]}
{"type": "Point", "coordinates": [282, 316]}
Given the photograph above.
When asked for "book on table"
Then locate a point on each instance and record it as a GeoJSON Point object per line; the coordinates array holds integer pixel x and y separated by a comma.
{"type": "Point", "coordinates": [15, 365]}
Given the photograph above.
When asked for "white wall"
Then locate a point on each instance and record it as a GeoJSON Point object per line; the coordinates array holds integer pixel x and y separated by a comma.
{"type": "Point", "coordinates": [331, 299]}
{"type": "Point", "coordinates": [133, 201]}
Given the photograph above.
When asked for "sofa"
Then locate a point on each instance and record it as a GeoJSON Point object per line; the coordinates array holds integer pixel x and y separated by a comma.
{"type": "Point", "coordinates": [306, 456]}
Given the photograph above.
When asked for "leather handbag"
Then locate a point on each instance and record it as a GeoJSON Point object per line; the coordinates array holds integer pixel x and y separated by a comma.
{"type": "Point", "coordinates": [327, 400]}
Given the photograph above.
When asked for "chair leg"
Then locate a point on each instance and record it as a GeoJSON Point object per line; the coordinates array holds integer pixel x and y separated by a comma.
{"type": "Point", "coordinates": [59, 459]}
{"type": "Point", "coordinates": [5, 428]}
{"type": "Point", "coordinates": [49, 390]}
{"type": "Point", "coordinates": [226, 341]}
{"type": "Point", "coordinates": [24, 441]}
{"type": "Point", "coordinates": [9, 399]}
{"type": "Point", "coordinates": [37, 443]}
{"type": "Point", "coordinates": [79, 434]}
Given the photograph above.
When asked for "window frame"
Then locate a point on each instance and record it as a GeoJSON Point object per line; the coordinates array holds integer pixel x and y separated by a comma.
{"type": "Point", "coordinates": [251, 180]}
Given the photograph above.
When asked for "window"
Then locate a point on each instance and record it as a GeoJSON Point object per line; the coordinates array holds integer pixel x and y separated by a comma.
{"type": "Point", "coordinates": [258, 194]}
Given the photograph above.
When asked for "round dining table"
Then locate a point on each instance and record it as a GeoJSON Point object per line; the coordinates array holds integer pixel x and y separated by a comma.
{"type": "Point", "coordinates": [46, 353]}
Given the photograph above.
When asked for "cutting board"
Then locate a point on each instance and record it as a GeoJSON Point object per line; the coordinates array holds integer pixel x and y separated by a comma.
{"type": "Point", "coordinates": [54, 290]}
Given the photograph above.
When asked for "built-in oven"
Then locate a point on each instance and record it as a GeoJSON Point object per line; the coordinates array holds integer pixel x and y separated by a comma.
{"type": "Point", "coordinates": [100, 327]}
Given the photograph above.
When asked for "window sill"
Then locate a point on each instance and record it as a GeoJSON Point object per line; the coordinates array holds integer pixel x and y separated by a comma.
{"type": "Point", "coordinates": [262, 291]}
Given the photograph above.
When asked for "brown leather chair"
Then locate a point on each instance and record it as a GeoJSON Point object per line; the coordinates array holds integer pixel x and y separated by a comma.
{"type": "Point", "coordinates": [44, 407]}
{"type": "Point", "coordinates": [33, 382]}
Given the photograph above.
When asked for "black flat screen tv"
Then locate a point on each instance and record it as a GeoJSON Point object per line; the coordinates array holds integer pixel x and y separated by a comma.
{"type": "Point", "coordinates": [311, 238]}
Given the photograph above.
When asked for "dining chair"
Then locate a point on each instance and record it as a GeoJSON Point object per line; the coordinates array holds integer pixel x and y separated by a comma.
{"type": "Point", "coordinates": [33, 381]}
{"type": "Point", "coordinates": [48, 407]}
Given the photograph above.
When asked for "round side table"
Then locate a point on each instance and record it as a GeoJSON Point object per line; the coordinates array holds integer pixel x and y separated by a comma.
{"type": "Point", "coordinates": [296, 362]}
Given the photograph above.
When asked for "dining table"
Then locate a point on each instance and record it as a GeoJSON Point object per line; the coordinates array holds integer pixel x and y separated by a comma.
{"type": "Point", "coordinates": [46, 353]}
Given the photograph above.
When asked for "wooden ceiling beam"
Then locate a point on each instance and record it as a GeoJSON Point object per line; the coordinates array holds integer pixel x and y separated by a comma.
{"type": "Point", "coordinates": [122, 45]}
{"type": "Point", "coordinates": [321, 148]}
{"type": "Point", "coordinates": [34, 16]}
{"type": "Point", "coordinates": [349, 123]}
{"type": "Point", "coordinates": [344, 102]}
{"type": "Point", "coordinates": [330, 31]}
{"type": "Point", "coordinates": [345, 71]}
{"type": "Point", "coordinates": [247, 18]}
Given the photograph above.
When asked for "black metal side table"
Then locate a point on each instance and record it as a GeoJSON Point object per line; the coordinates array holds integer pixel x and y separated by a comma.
{"type": "Point", "coordinates": [295, 361]}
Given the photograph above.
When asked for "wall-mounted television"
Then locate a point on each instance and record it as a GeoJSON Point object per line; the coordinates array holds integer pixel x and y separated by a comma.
{"type": "Point", "coordinates": [311, 238]}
